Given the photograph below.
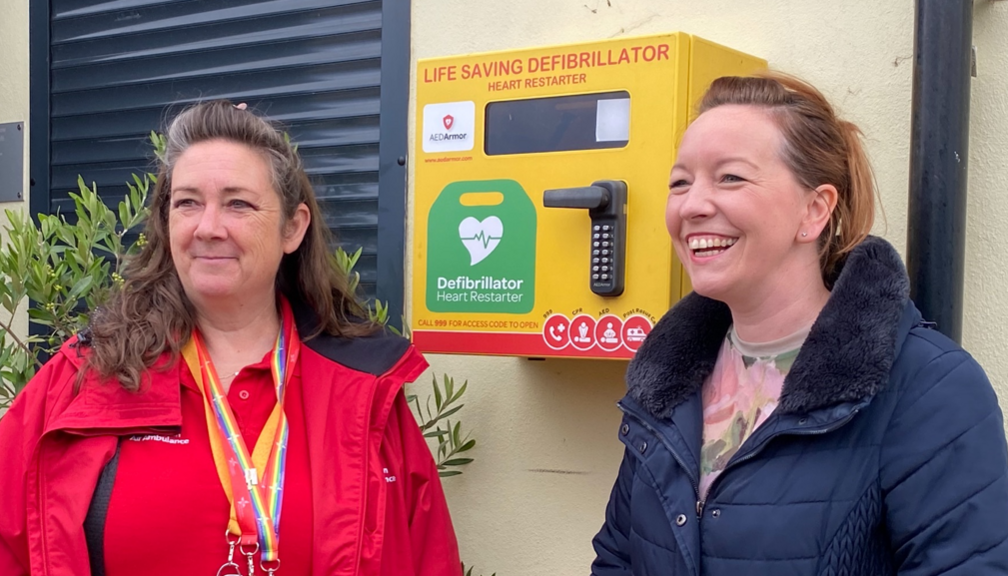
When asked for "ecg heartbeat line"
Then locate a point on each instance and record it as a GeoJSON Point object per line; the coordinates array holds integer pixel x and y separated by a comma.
{"type": "Point", "coordinates": [484, 238]}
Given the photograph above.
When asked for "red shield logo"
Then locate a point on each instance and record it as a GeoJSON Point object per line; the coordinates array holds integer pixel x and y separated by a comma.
{"type": "Point", "coordinates": [449, 121]}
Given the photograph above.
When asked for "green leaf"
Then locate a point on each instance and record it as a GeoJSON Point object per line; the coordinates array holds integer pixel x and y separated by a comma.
{"type": "Point", "coordinates": [355, 257]}
{"type": "Point", "coordinates": [40, 316]}
{"type": "Point", "coordinates": [429, 419]}
{"type": "Point", "coordinates": [461, 391]}
{"type": "Point", "coordinates": [450, 412]}
{"type": "Point", "coordinates": [82, 286]}
{"type": "Point", "coordinates": [437, 395]}
{"type": "Point", "coordinates": [458, 462]}
{"type": "Point", "coordinates": [448, 473]}
{"type": "Point", "coordinates": [378, 314]}
{"type": "Point", "coordinates": [449, 384]}
{"type": "Point", "coordinates": [124, 210]}
{"type": "Point", "coordinates": [160, 143]}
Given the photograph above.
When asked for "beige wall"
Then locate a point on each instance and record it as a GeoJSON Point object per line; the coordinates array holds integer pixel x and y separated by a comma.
{"type": "Point", "coordinates": [14, 101]}
{"type": "Point", "coordinates": [985, 320]}
{"type": "Point", "coordinates": [548, 452]}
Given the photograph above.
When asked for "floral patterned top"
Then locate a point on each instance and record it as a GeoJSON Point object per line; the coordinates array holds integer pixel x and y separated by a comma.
{"type": "Point", "coordinates": [739, 395]}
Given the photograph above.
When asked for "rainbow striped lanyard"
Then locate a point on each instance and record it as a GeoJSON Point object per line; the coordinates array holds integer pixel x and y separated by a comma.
{"type": "Point", "coordinates": [253, 482]}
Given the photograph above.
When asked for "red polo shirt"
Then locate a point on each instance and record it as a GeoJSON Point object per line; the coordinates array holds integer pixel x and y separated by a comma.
{"type": "Point", "coordinates": [168, 513]}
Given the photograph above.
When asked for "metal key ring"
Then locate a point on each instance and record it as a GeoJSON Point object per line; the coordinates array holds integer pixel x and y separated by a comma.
{"type": "Point", "coordinates": [228, 535]}
{"type": "Point", "coordinates": [237, 568]}
{"type": "Point", "coordinates": [272, 569]}
{"type": "Point", "coordinates": [241, 548]}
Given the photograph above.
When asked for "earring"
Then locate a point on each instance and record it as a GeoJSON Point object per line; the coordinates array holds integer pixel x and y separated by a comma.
{"type": "Point", "coordinates": [804, 234]}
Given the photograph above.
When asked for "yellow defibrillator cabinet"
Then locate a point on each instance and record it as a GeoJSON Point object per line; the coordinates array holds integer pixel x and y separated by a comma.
{"type": "Point", "coordinates": [541, 180]}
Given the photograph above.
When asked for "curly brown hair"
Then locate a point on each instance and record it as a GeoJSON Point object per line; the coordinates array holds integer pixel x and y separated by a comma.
{"type": "Point", "coordinates": [151, 315]}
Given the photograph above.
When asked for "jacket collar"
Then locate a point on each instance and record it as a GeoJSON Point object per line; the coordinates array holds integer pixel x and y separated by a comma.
{"type": "Point", "coordinates": [103, 406]}
{"type": "Point", "coordinates": [376, 353]}
{"type": "Point", "coordinates": [847, 356]}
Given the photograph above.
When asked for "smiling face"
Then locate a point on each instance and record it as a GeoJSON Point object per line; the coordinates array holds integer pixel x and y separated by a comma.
{"type": "Point", "coordinates": [225, 224]}
{"type": "Point", "coordinates": [736, 212]}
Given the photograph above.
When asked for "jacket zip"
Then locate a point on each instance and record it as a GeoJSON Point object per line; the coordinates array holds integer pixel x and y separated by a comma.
{"type": "Point", "coordinates": [661, 437]}
{"type": "Point", "coordinates": [755, 451]}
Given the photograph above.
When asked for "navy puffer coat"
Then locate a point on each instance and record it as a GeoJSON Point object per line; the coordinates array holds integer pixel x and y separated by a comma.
{"type": "Point", "coordinates": [885, 456]}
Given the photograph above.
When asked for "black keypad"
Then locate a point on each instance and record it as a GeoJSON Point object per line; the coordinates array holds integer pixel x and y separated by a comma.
{"type": "Point", "coordinates": [603, 261]}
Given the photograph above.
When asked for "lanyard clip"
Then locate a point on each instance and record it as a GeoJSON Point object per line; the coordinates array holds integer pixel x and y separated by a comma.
{"type": "Point", "coordinates": [250, 555]}
{"type": "Point", "coordinates": [270, 566]}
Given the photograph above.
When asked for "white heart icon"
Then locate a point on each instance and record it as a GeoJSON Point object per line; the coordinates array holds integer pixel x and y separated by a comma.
{"type": "Point", "coordinates": [481, 238]}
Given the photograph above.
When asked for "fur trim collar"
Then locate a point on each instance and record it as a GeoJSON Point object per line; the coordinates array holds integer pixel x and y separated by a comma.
{"type": "Point", "coordinates": [847, 356]}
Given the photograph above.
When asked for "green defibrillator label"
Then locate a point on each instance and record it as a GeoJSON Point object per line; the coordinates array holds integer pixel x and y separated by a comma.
{"type": "Point", "coordinates": [481, 258]}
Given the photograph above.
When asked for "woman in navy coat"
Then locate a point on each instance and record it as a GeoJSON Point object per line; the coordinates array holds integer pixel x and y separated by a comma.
{"type": "Point", "coordinates": [795, 415]}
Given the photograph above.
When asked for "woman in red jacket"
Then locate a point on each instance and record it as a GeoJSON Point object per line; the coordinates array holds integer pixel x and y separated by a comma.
{"type": "Point", "coordinates": [227, 411]}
